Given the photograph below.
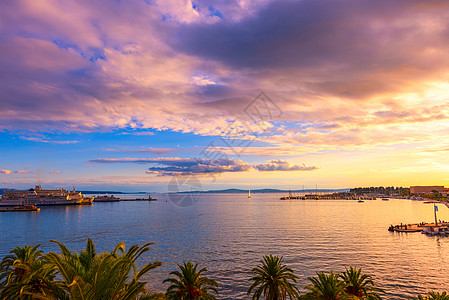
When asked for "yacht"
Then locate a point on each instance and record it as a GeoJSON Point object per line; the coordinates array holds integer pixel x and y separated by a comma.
{"type": "Point", "coordinates": [40, 197]}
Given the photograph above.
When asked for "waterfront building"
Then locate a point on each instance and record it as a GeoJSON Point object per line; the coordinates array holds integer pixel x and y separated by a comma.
{"type": "Point", "coordinates": [426, 189]}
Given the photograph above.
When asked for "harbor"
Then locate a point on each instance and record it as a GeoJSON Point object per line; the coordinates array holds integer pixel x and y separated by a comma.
{"type": "Point", "coordinates": [419, 227]}
{"type": "Point", "coordinates": [328, 196]}
{"type": "Point", "coordinates": [34, 198]}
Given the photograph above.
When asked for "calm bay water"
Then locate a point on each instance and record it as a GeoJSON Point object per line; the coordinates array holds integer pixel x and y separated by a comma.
{"type": "Point", "coordinates": [228, 234]}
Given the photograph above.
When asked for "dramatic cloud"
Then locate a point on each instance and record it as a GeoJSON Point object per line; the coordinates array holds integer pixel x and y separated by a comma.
{"type": "Point", "coordinates": [282, 165]}
{"type": "Point", "coordinates": [189, 166]}
{"type": "Point", "coordinates": [5, 172]}
{"type": "Point", "coordinates": [198, 166]}
{"type": "Point", "coordinates": [343, 66]}
{"type": "Point", "coordinates": [184, 166]}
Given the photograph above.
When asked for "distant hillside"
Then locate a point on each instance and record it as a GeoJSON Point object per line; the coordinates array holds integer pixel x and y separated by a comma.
{"type": "Point", "coordinates": [235, 191]}
{"type": "Point", "coordinates": [225, 191]}
{"type": "Point", "coordinates": [6, 189]}
{"type": "Point", "coordinates": [102, 192]}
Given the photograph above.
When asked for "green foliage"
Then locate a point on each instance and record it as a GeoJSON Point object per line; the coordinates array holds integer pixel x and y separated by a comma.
{"type": "Point", "coordinates": [24, 274]}
{"type": "Point", "coordinates": [105, 276]}
{"type": "Point", "coordinates": [360, 285]}
{"type": "Point", "coordinates": [327, 287]}
{"type": "Point", "coordinates": [189, 284]}
{"type": "Point", "coordinates": [273, 280]}
{"type": "Point", "coordinates": [434, 296]}
{"type": "Point", "coordinates": [28, 274]}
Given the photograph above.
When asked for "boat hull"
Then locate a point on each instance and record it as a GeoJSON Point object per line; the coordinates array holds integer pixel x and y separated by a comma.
{"type": "Point", "coordinates": [21, 208]}
{"type": "Point", "coordinates": [42, 202]}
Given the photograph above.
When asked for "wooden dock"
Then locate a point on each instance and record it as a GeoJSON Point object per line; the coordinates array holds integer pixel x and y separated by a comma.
{"type": "Point", "coordinates": [138, 199]}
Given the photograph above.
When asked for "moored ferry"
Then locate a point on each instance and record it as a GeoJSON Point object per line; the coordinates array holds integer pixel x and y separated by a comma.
{"type": "Point", "coordinates": [40, 197]}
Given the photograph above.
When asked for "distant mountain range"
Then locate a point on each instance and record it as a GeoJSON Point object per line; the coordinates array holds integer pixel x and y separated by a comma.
{"type": "Point", "coordinates": [107, 192]}
{"type": "Point", "coordinates": [235, 191]}
{"type": "Point", "coordinates": [225, 191]}
{"type": "Point", "coordinates": [5, 189]}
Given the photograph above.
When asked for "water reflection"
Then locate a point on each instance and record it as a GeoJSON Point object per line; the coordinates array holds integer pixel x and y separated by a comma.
{"type": "Point", "coordinates": [229, 234]}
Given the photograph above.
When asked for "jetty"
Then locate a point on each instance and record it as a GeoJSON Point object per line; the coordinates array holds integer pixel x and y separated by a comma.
{"type": "Point", "coordinates": [430, 229]}
{"type": "Point", "coordinates": [139, 199]}
{"type": "Point", "coordinates": [111, 198]}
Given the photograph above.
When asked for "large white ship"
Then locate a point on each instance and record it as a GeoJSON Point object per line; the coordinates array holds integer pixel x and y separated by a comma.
{"type": "Point", "coordinates": [39, 197]}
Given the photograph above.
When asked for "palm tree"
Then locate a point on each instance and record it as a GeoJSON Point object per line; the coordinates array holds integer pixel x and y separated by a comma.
{"type": "Point", "coordinates": [273, 280]}
{"type": "Point", "coordinates": [105, 276]}
{"type": "Point", "coordinates": [434, 296]}
{"type": "Point", "coordinates": [326, 287]}
{"type": "Point", "coordinates": [24, 274]}
{"type": "Point", "coordinates": [25, 256]}
{"type": "Point", "coordinates": [189, 284]}
{"type": "Point", "coordinates": [360, 285]}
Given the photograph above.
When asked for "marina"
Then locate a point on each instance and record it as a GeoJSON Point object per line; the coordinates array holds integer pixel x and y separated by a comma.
{"type": "Point", "coordinates": [327, 196]}
{"type": "Point", "coordinates": [49, 197]}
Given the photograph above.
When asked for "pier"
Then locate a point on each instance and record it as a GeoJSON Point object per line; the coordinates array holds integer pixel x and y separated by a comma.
{"type": "Point", "coordinates": [139, 199]}
{"type": "Point", "coordinates": [415, 227]}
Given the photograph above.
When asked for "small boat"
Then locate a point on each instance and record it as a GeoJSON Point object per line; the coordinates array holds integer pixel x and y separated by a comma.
{"type": "Point", "coordinates": [21, 208]}
{"type": "Point", "coordinates": [385, 199]}
{"type": "Point", "coordinates": [360, 201]}
{"type": "Point", "coordinates": [436, 230]}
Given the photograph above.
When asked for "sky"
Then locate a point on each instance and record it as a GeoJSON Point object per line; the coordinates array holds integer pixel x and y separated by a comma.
{"type": "Point", "coordinates": [135, 95]}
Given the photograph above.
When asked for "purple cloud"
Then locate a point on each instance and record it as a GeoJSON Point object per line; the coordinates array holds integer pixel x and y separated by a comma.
{"type": "Point", "coordinates": [42, 139]}
{"type": "Point", "coordinates": [351, 64]}
{"type": "Point", "coordinates": [184, 166]}
{"type": "Point", "coordinates": [190, 166]}
{"type": "Point", "coordinates": [282, 165]}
